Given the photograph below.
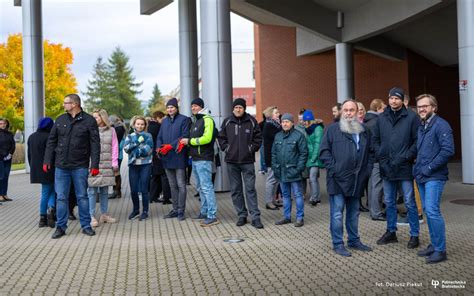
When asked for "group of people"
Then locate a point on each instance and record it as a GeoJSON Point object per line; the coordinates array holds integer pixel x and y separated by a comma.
{"type": "Point", "coordinates": [390, 146]}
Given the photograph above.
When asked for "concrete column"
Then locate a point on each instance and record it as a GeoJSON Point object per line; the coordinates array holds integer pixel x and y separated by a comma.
{"type": "Point", "coordinates": [216, 68]}
{"type": "Point", "coordinates": [344, 72]}
{"type": "Point", "coordinates": [33, 73]}
{"type": "Point", "coordinates": [466, 91]}
{"type": "Point", "coordinates": [188, 59]}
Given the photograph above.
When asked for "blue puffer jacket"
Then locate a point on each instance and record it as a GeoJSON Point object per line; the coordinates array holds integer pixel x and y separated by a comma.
{"type": "Point", "coordinates": [435, 147]}
{"type": "Point", "coordinates": [171, 131]}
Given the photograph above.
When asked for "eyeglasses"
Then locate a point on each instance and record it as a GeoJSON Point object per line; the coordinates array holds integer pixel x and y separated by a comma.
{"type": "Point", "coordinates": [423, 107]}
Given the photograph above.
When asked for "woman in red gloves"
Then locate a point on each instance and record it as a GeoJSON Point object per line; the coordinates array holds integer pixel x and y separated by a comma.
{"type": "Point", "coordinates": [108, 165]}
{"type": "Point", "coordinates": [139, 147]}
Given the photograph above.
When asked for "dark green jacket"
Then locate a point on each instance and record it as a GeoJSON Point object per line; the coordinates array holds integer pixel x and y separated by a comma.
{"type": "Point", "coordinates": [289, 155]}
{"type": "Point", "coordinates": [201, 138]}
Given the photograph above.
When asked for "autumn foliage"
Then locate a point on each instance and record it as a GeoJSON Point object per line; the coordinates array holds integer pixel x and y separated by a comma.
{"type": "Point", "coordinates": [58, 78]}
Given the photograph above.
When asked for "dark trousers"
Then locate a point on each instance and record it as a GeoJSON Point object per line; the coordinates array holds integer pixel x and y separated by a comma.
{"type": "Point", "coordinates": [158, 184]}
{"type": "Point", "coordinates": [5, 167]}
{"type": "Point", "coordinates": [245, 172]}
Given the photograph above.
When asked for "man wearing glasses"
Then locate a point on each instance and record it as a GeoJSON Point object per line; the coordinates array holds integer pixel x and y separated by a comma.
{"type": "Point", "coordinates": [435, 147]}
{"type": "Point", "coordinates": [74, 146]}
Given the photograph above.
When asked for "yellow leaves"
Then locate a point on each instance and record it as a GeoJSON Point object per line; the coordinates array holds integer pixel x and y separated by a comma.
{"type": "Point", "coordinates": [58, 77]}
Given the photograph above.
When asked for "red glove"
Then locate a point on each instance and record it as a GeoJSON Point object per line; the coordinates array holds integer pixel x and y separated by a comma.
{"type": "Point", "coordinates": [46, 167]}
{"type": "Point", "coordinates": [180, 147]}
{"type": "Point", "coordinates": [94, 172]}
{"type": "Point", "coordinates": [165, 148]}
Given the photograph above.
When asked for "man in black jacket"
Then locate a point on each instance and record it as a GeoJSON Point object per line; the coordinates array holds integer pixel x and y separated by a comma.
{"type": "Point", "coordinates": [74, 144]}
{"type": "Point", "coordinates": [346, 153]}
{"type": "Point", "coordinates": [240, 138]}
{"type": "Point", "coordinates": [395, 136]}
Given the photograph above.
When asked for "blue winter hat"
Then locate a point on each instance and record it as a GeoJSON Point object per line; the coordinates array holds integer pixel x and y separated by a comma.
{"type": "Point", "coordinates": [45, 123]}
{"type": "Point", "coordinates": [308, 115]}
{"type": "Point", "coordinates": [287, 116]}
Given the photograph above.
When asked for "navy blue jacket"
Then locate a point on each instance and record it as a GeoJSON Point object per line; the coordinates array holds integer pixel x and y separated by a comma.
{"type": "Point", "coordinates": [395, 144]}
{"type": "Point", "coordinates": [435, 147]}
{"type": "Point", "coordinates": [173, 129]}
{"type": "Point", "coordinates": [347, 169]}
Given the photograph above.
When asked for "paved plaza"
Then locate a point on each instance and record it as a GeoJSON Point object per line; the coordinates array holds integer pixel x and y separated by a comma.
{"type": "Point", "coordinates": [160, 256]}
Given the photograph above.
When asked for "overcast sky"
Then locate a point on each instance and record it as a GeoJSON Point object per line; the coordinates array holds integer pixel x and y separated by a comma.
{"type": "Point", "coordinates": [93, 28]}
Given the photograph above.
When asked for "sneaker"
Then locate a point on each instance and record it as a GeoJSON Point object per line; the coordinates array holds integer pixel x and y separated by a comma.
{"type": "Point", "coordinates": [388, 238]}
{"type": "Point", "coordinates": [299, 223]}
{"type": "Point", "coordinates": [133, 215]}
{"type": "Point", "coordinates": [426, 252]}
{"type": "Point", "coordinates": [314, 202]}
{"type": "Point", "coordinates": [341, 250]}
{"type": "Point", "coordinates": [143, 216]}
{"type": "Point", "coordinates": [257, 223]}
{"type": "Point", "coordinates": [360, 246]}
{"type": "Point", "coordinates": [51, 217]}
{"type": "Point", "coordinates": [106, 219]}
{"type": "Point", "coordinates": [420, 219]}
{"type": "Point", "coordinates": [283, 221]}
{"type": "Point", "coordinates": [42, 222]}
{"type": "Point", "coordinates": [94, 222]}
{"type": "Point", "coordinates": [181, 217]}
{"type": "Point", "coordinates": [380, 217]}
{"type": "Point", "coordinates": [171, 214]}
{"type": "Point", "coordinates": [402, 221]}
{"type": "Point", "coordinates": [414, 242]}
{"type": "Point", "coordinates": [201, 216]}
{"type": "Point", "coordinates": [58, 233]}
{"type": "Point", "coordinates": [271, 206]}
{"type": "Point", "coordinates": [437, 257]}
{"type": "Point", "coordinates": [242, 221]}
{"type": "Point", "coordinates": [209, 222]}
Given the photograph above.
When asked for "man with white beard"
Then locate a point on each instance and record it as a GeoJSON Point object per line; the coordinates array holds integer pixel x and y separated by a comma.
{"type": "Point", "coordinates": [345, 152]}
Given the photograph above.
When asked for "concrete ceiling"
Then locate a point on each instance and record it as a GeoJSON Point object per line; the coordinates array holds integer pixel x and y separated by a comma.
{"type": "Point", "coordinates": [341, 5]}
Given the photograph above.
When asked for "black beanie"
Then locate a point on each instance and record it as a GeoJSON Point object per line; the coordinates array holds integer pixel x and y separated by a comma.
{"type": "Point", "coordinates": [239, 102]}
{"type": "Point", "coordinates": [198, 101]}
{"type": "Point", "coordinates": [396, 92]}
{"type": "Point", "coordinates": [172, 102]}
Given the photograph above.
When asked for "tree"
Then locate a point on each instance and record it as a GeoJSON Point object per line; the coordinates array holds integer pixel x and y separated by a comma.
{"type": "Point", "coordinates": [58, 78]}
{"type": "Point", "coordinates": [113, 87]}
{"type": "Point", "coordinates": [157, 101]}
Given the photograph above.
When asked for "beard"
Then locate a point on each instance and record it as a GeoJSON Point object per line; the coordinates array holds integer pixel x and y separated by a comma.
{"type": "Point", "coordinates": [350, 126]}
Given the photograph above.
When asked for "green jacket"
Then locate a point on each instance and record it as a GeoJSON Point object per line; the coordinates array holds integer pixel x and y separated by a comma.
{"type": "Point", "coordinates": [314, 140]}
{"type": "Point", "coordinates": [289, 155]}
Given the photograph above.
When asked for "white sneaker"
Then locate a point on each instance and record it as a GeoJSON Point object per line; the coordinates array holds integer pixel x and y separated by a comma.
{"type": "Point", "coordinates": [94, 222]}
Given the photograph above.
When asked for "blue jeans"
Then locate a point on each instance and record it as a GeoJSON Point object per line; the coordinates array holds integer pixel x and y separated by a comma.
{"type": "Point", "coordinates": [390, 189]}
{"type": "Point", "coordinates": [103, 197]}
{"type": "Point", "coordinates": [5, 167]}
{"type": "Point", "coordinates": [337, 203]}
{"type": "Point", "coordinates": [203, 173]}
{"type": "Point", "coordinates": [48, 198]}
{"type": "Point", "coordinates": [297, 189]}
{"type": "Point", "coordinates": [430, 193]}
{"type": "Point", "coordinates": [62, 184]}
{"type": "Point", "coordinates": [139, 177]}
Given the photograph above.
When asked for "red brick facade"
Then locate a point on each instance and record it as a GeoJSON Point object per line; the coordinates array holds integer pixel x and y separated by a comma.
{"type": "Point", "coordinates": [291, 83]}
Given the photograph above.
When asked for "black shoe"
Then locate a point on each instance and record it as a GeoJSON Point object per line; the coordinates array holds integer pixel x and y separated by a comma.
{"type": "Point", "coordinates": [270, 206]}
{"type": "Point", "coordinates": [283, 221]}
{"type": "Point", "coordinates": [200, 217]}
{"type": "Point", "coordinates": [42, 222]}
{"type": "Point", "coordinates": [58, 233]}
{"type": "Point", "coordinates": [171, 214]}
{"type": "Point", "coordinates": [88, 231]}
{"type": "Point", "coordinates": [414, 242]}
{"type": "Point", "coordinates": [437, 257]}
{"type": "Point", "coordinates": [388, 238]}
{"type": "Point", "coordinates": [196, 195]}
{"type": "Point", "coordinates": [314, 202]}
{"type": "Point", "coordinates": [379, 218]}
{"type": "Point", "coordinates": [143, 216]}
{"type": "Point", "coordinates": [160, 200]}
{"type": "Point", "coordinates": [167, 202]}
{"type": "Point", "coordinates": [51, 216]}
{"type": "Point", "coordinates": [133, 215]}
{"type": "Point", "coordinates": [72, 217]}
{"type": "Point", "coordinates": [181, 217]}
{"type": "Point", "coordinates": [257, 223]}
{"type": "Point", "coordinates": [278, 203]}
{"type": "Point", "coordinates": [363, 209]}
{"type": "Point", "coordinates": [113, 196]}
{"type": "Point", "coordinates": [426, 252]}
{"type": "Point", "coordinates": [242, 221]}
{"type": "Point", "coordinates": [299, 223]}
